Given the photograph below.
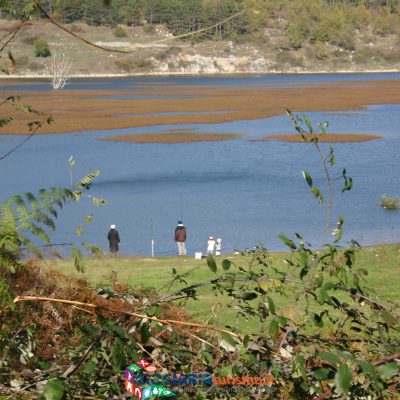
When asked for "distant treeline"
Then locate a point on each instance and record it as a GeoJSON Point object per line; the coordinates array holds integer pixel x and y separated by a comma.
{"type": "Point", "coordinates": [333, 21]}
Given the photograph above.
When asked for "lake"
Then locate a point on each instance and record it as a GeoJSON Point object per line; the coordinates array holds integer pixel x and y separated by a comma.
{"type": "Point", "coordinates": [240, 190]}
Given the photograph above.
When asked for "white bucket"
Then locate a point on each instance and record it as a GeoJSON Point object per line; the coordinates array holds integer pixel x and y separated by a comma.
{"type": "Point", "coordinates": [198, 255]}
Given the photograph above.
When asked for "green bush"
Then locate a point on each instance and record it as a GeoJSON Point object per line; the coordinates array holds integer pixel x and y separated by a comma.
{"type": "Point", "coordinates": [297, 33]}
{"type": "Point", "coordinates": [384, 25]}
{"type": "Point", "coordinates": [119, 32]}
{"type": "Point", "coordinates": [320, 51]}
{"type": "Point", "coordinates": [42, 48]}
{"type": "Point", "coordinates": [345, 38]}
{"type": "Point", "coordinates": [392, 203]}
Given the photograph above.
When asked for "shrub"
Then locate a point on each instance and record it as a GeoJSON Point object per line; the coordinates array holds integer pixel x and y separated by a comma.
{"type": "Point", "coordinates": [119, 32]}
{"type": "Point", "coordinates": [383, 25]}
{"type": "Point", "coordinates": [320, 51]}
{"type": "Point", "coordinates": [76, 28]}
{"type": "Point", "coordinates": [345, 38]}
{"type": "Point", "coordinates": [392, 203]}
{"type": "Point", "coordinates": [391, 56]}
{"type": "Point", "coordinates": [170, 51]}
{"type": "Point", "coordinates": [366, 54]}
{"type": "Point", "coordinates": [148, 28]}
{"type": "Point", "coordinates": [297, 33]}
{"type": "Point", "coordinates": [42, 48]}
{"type": "Point", "coordinates": [358, 16]}
{"type": "Point", "coordinates": [285, 57]}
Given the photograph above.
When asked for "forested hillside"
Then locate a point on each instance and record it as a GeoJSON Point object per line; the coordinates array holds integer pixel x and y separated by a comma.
{"type": "Point", "coordinates": [283, 34]}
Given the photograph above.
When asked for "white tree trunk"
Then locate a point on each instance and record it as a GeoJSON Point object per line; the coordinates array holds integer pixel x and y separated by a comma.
{"type": "Point", "coordinates": [60, 67]}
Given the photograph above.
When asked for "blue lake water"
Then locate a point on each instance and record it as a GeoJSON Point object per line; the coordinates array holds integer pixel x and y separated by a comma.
{"type": "Point", "coordinates": [242, 191]}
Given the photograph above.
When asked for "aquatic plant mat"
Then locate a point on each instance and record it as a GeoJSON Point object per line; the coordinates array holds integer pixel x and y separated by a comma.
{"type": "Point", "coordinates": [327, 138]}
{"type": "Point", "coordinates": [172, 138]}
{"type": "Point", "coordinates": [75, 110]}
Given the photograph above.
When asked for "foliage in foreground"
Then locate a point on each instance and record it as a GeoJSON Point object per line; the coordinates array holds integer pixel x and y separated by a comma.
{"type": "Point", "coordinates": [65, 340]}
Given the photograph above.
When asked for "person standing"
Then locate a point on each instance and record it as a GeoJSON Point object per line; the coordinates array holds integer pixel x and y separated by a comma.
{"type": "Point", "coordinates": [218, 247]}
{"type": "Point", "coordinates": [180, 238]}
{"type": "Point", "coordinates": [210, 245]}
{"type": "Point", "coordinates": [113, 239]}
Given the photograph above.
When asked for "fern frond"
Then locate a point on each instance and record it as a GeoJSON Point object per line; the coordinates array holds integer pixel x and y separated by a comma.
{"type": "Point", "coordinates": [22, 212]}
{"type": "Point", "coordinates": [50, 209]}
{"type": "Point", "coordinates": [32, 200]}
{"type": "Point", "coordinates": [86, 181]}
{"type": "Point", "coordinates": [18, 200]}
{"type": "Point", "coordinates": [7, 214]}
{"type": "Point", "coordinates": [30, 247]}
{"type": "Point", "coordinates": [41, 234]}
{"type": "Point", "coordinates": [44, 219]}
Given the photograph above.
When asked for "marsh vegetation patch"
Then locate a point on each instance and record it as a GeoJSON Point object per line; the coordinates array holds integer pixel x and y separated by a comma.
{"type": "Point", "coordinates": [326, 138]}
{"type": "Point", "coordinates": [173, 138]}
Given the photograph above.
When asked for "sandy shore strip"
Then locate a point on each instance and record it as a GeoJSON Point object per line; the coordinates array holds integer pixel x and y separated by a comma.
{"type": "Point", "coordinates": [81, 110]}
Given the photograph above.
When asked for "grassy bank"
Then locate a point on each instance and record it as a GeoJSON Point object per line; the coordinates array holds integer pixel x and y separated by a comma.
{"type": "Point", "coordinates": [381, 262]}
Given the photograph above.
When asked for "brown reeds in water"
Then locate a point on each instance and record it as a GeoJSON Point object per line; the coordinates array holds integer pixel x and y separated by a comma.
{"type": "Point", "coordinates": [75, 110]}
{"type": "Point", "coordinates": [326, 138]}
{"type": "Point", "coordinates": [172, 138]}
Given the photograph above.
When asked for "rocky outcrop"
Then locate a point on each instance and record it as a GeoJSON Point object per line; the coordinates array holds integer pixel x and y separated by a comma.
{"type": "Point", "coordinates": [197, 64]}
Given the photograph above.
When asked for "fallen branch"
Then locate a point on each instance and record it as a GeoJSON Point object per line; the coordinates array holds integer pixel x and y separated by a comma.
{"type": "Point", "coordinates": [141, 316]}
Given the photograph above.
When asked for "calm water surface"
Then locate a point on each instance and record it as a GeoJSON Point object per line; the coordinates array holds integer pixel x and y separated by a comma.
{"type": "Point", "coordinates": [242, 191]}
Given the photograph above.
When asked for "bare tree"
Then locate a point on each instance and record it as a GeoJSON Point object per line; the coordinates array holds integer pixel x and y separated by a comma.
{"type": "Point", "coordinates": [60, 66]}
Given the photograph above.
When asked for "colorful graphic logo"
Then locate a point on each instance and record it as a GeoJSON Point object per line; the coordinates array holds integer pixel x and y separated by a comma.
{"type": "Point", "coordinates": [144, 373]}
{"type": "Point", "coordinates": [149, 391]}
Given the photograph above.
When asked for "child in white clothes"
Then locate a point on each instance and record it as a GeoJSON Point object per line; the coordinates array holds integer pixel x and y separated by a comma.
{"type": "Point", "coordinates": [218, 247]}
{"type": "Point", "coordinates": [210, 245]}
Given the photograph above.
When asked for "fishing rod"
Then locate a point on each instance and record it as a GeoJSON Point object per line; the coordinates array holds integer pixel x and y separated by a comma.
{"type": "Point", "coordinates": [152, 235]}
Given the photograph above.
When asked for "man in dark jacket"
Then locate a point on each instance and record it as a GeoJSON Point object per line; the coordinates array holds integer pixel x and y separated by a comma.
{"type": "Point", "coordinates": [180, 238]}
{"type": "Point", "coordinates": [113, 239]}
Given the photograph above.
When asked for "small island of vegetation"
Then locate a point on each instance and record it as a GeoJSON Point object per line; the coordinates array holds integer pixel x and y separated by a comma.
{"type": "Point", "coordinates": [172, 138]}
{"type": "Point", "coordinates": [326, 138]}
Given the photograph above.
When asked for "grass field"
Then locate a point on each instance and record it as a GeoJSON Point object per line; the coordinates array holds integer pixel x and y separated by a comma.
{"type": "Point", "coordinates": [382, 263]}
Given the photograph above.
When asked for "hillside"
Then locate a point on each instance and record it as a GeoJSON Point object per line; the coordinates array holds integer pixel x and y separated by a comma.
{"type": "Point", "coordinates": [152, 49]}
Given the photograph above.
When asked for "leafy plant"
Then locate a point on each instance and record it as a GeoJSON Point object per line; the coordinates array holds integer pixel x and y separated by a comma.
{"type": "Point", "coordinates": [42, 48]}
{"type": "Point", "coordinates": [119, 32]}
{"type": "Point", "coordinates": [392, 203]}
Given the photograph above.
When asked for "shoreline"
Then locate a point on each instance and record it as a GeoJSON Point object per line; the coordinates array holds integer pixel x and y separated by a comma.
{"type": "Point", "coordinates": [289, 72]}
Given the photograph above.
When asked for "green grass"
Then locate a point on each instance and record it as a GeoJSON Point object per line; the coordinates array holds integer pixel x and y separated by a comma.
{"type": "Point", "coordinates": [382, 263]}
